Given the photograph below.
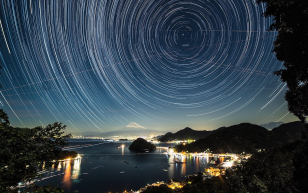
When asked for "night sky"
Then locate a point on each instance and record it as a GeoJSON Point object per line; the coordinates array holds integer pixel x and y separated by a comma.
{"type": "Point", "coordinates": [164, 64]}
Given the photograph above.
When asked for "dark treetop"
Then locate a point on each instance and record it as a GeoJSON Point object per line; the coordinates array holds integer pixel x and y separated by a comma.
{"type": "Point", "coordinates": [290, 20]}
{"type": "Point", "coordinates": [25, 151]}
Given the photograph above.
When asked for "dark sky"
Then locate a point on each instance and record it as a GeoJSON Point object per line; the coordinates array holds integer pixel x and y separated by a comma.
{"type": "Point", "coordinates": [99, 65]}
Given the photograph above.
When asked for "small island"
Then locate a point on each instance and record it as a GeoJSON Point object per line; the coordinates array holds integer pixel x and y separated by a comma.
{"type": "Point", "coordinates": [141, 144]}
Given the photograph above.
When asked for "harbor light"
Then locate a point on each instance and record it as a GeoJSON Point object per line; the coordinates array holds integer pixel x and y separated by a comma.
{"type": "Point", "coordinates": [228, 164]}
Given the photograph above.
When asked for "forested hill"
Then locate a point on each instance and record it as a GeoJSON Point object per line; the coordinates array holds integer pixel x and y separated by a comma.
{"type": "Point", "coordinates": [186, 134]}
{"type": "Point", "coordinates": [141, 144]}
{"type": "Point", "coordinates": [245, 137]}
{"type": "Point", "coordinates": [288, 132]}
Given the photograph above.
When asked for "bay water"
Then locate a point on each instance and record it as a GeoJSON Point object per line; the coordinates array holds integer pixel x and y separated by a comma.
{"type": "Point", "coordinates": [112, 167]}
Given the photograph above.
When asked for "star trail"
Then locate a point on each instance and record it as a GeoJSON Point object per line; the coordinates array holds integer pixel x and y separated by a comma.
{"type": "Point", "coordinates": [164, 64]}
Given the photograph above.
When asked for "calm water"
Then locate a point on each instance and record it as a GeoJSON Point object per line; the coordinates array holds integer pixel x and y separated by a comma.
{"type": "Point", "coordinates": [102, 168]}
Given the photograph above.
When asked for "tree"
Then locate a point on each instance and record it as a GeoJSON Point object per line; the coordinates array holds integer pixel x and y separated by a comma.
{"type": "Point", "coordinates": [282, 169]}
{"type": "Point", "coordinates": [291, 47]}
{"type": "Point", "coordinates": [24, 151]}
{"type": "Point", "coordinates": [162, 189]}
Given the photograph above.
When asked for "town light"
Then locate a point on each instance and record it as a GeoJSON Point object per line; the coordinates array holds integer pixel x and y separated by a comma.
{"type": "Point", "coordinates": [228, 164]}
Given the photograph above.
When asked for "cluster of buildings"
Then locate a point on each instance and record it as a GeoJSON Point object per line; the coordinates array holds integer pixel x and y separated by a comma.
{"type": "Point", "coordinates": [210, 172]}
{"type": "Point", "coordinates": [227, 157]}
{"type": "Point", "coordinates": [218, 169]}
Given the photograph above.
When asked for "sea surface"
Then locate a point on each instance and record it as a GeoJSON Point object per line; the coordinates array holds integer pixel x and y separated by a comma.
{"type": "Point", "coordinates": [109, 167]}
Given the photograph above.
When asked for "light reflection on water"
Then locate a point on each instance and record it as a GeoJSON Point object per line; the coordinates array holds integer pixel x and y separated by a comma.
{"type": "Point", "coordinates": [76, 169]}
{"type": "Point", "coordinates": [221, 159]}
{"type": "Point", "coordinates": [71, 173]}
{"type": "Point", "coordinates": [171, 167]}
{"type": "Point", "coordinates": [67, 181]}
{"type": "Point", "coordinates": [183, 166]}
{"type": "Point", "coordinates": [72, 167]}
{"type": "Point", "coordinates": [197, 163]}
{"type": "Point", "coordinates": [102, 166]}
{"type": "Point", "coordinates": [59, 166]}
{"type": "Point", "coordinates": [184, 163]}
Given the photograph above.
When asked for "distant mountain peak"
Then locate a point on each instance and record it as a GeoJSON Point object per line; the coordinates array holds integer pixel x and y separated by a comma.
{"type": "Point", "coordinates": [135, 125]}
{"type": "Point", "coordinates": [271, 125]}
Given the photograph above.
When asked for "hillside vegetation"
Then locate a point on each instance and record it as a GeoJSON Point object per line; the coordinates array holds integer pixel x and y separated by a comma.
{"type": "Point", "coordinates": [245, 137]}
{"type": "Point", "coordinates": [186, 134]}
{"type": "Point", "coordinates": [141, 144]}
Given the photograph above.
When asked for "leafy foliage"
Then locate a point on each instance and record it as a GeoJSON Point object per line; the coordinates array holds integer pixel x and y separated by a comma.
{"type": "Point", "coordinates": [65, 155]}
{"type": "Point", "coordinates": [300, 163]}
{"type": "Point", "coordinates": [288, 132]}
{"type": "Point", "coordinates": [215, 184]}
{"type": "Point", "coordinates": [25, 151]}
{"type": "Point", "coordinates": [275, 170]}
{"type": "Point", "coordinates": [43, 189]}
{"type": "Point", "coordinates": [160, 189]}
{"type": "Point", "coordinates": [291, 47]}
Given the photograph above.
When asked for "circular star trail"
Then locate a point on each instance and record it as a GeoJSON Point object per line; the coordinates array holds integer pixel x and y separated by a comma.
{"type": "Point", "coordinates": [101, 64]}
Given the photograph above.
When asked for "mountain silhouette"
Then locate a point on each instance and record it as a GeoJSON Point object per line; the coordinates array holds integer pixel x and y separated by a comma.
{"type": "Point", "coordinates": [187, 134]}
{"type": "Point", "coordinates": [245, 137]}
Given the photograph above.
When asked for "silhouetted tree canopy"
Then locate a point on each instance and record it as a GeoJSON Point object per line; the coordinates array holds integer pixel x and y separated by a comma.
{"type": "Point", "coordinates": [24, 151]}
{"type": "Point", "coordinates": [283, 169]}
{"type": "Point", "coordinates": [291, 47]}
{"type": "Point", "coordinates": [161, 189]}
